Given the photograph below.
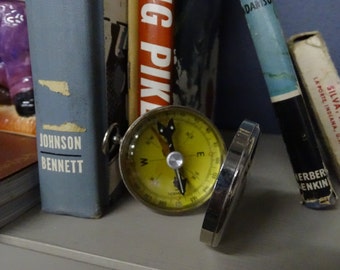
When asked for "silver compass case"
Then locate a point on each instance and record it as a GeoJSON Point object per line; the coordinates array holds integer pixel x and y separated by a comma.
{"type": "Point", "coordinates": [230, 183]}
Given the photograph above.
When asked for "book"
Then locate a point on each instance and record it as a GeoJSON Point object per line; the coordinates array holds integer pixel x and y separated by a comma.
{"type": "Point", "coordinates": [116, 54]}
{"type": "Point", "coordinates": [173, 54]}
{"type": "Point", "coordinates": [18, 206]}
{"type": "Point", "coordinates": [133, 34]}
{"type": "Point", "coordinates": [282, 84]}
{"type": "Point", "coordinates": [67, 51]}
{"type": "Point", "coordinates": [18, 165]}
{"type": "Point", "coordinates": [320, 84]}
{"type": "Point", "coordinates": [19, 181]}
{"type": "Point", "coordinates": [116, 43]}
{"type": "Point", "coordinates": [196, 51]}
{"type": "Point", "coordinates": [150, 55]}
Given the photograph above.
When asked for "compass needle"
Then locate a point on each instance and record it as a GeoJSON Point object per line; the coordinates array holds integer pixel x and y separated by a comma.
{"type": "Point", "coordinates": [174, 158]}
{"type": "Point", "coordinates": [164, 145]}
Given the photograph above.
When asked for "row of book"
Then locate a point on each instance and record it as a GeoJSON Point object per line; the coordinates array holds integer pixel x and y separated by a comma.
{"type": "Point", "coordinates": [289, 103]}
{"type": "Point", "coordinates": [95, 63]}
{"type": "Point", "coordinates": [82, 74]}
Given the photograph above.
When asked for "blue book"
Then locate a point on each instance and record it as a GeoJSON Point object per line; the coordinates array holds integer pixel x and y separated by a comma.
{"type": "Point", "coordinates": [311, 175]}
{"type": "Point", "coordinates": [68, 67]}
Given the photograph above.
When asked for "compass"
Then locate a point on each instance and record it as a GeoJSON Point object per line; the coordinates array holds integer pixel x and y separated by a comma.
{"type": "Point", "coordinates": [170, 158]}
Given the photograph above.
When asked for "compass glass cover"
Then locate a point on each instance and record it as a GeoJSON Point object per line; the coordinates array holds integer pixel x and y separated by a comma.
{"type": "Point", "coordinates": [170, 159]}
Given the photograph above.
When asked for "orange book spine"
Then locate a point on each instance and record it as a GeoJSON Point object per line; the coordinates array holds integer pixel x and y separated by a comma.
{"type": "Point", "coordinates": [155, 57]}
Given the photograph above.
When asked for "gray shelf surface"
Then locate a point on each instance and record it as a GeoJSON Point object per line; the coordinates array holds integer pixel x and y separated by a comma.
{"type": "Point", "coordinates": [270, 229]}
{"type": "Point", "coordinates": [14, 258]}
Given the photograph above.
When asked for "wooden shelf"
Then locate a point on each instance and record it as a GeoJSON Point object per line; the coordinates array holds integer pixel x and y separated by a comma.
{"type": "Point", "coordinates": [269, 230]}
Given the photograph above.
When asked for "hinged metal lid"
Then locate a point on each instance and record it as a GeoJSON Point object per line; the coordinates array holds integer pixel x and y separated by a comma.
{"type": "Point", "coordinates": [230, 183]}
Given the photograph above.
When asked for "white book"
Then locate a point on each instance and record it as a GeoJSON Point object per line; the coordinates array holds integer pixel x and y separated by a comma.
{"type": "Point", "coordinates": [321, 89]}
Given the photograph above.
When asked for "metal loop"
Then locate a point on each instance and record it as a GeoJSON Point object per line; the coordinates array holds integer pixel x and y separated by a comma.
{"type": "Point", "coordinates": [111, 139]}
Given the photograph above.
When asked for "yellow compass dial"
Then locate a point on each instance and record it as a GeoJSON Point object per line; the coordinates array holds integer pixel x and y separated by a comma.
{"type": "Point", "coordinates": [170, 159]}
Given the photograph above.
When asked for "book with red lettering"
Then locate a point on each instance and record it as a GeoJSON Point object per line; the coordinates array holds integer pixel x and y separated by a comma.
{"type": "Point", "coordinates": [321, 89]}
{"type": "Point", "coordinates": [173, 52]}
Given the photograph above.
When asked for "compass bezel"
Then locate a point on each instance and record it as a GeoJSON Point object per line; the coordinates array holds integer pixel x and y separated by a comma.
{"type": "Point", "coordinates": [142, 124]}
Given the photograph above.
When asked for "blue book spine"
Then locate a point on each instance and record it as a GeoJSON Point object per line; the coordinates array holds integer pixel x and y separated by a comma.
{"type": "Point", "coordinates": [284, 90]}
{"type": "Point", "coordinates": [66, 41]}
